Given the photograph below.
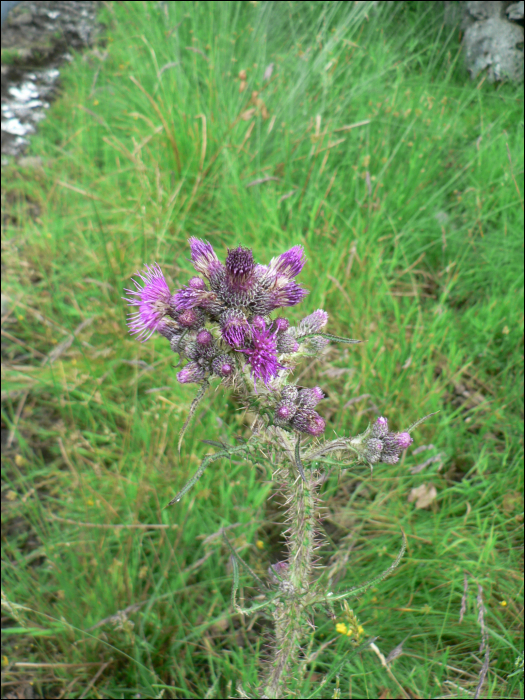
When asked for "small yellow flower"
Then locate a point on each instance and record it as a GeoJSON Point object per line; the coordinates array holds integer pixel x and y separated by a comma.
{"type": "Point", "coordinates": [341, 628]}
{"type": "Point", "coordinates": [259, 544]}
{"type": "Point", "coordinates": [503, 603]}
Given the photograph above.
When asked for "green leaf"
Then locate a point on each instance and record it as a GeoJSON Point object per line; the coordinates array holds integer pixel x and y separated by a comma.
{"type": "Point", "coordinates": [356, 590]}
{"type": "Point", "coordinates": [329, 336]}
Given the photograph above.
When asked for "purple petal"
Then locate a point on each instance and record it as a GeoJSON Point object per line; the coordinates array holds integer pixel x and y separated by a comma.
{"type": "Point", "coordinates": [153, 300]}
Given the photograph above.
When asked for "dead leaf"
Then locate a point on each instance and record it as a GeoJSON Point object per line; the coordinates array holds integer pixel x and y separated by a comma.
{"type": "Point", "coordinates": [268, 72]}
{"type": "Point", "coordinates": [242, 75]}
{"type": "Point", "coordinates": [242, 86]}
{"type": "Point", "coordinates": [247, 114]}
{"type": "Point", "coordinates": [261, 180]}
{"type": "Point", "coordinates": [423, 495]}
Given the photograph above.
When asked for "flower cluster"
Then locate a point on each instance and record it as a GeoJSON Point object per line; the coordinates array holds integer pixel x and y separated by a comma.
{"type": "Point", "coordinates": [296, 410]}
{"type": "Point", "coordinates": [224, 313]}
{"type": "Point", "coordinates": [380, 445]}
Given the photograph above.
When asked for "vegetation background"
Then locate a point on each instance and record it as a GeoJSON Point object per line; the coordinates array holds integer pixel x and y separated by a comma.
{"type": "Point", "coordinates": [367, 143]}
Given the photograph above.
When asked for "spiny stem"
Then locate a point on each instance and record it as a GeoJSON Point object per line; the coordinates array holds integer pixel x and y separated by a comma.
{"type": "Point", "coordinates": [290, 613]}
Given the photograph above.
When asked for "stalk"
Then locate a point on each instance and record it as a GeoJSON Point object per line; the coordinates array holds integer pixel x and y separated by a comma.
{"type": "Point", "coordinates": [290, 613]}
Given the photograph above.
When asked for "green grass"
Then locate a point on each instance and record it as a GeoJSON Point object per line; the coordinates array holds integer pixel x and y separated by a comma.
{"type": "Point", "coordinates": [422, 257]}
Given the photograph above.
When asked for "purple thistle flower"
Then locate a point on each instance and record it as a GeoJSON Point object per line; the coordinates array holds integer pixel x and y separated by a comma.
{"type": "Point", "coordinates": [192, 373]}
{"type": "Point", "coordinates": [153, 300]}
{"type": "Point", "coordinates": [313, 323]}
{"type": "Point", "coordinates": [234, 328]}
{"type": "Point", "coordinates": [404, 440]}
{"type": "Point", "coordinates": [203, 257]}
{"type": "Point", "coordinates": [169, 328]}
{"type": "Point", "coordinates": [286, 343]}
{"type": "Point", "coordinates": [290, 392]}
{"type": "Point", "coordinates": [372, 452]}
{"type": "Point", "coordinates": [284, 412]}
{"type": "Point", "coordinates": [197, 283]}
{"type": "Point", "coordinates": [309, 398]}
{"type": "Point", "coordinates": [288, 264]}
{"type": "Point", "coordinates": [222, 366]}
{"type": "Point", "coordinates": [258, 322]}
{"type": "Point", "coordinates": [380, 427]}
{"type": "Point", "coordinates": [285, 292]}
{"type": "Point", "coordinates": [204, 338]}
{"type": "Point", "coordinates": [308, 421]}
{"type": "Point", "coordinates": [240, 268]}
{"type": "Point", "coordinates": [190, 318]}
{"type": "Point", "coordinates": [281, 324]}
{"type": "Point", "coordinates": [262, 355]}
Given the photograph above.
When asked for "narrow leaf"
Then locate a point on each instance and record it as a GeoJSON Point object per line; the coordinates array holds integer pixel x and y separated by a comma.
{"type": "Point", "coordinates": [196, 401]}
{"type": "Point", "coordinates": [200, 471]}
{"type": "Point", "coordinates": [356, 590]}
{"type": "Point", "coordinates": [329, 336]}
{"type": "Point", "coordinates": [418, 422]}
{"type": "Point", "coordinates": [241, 561]}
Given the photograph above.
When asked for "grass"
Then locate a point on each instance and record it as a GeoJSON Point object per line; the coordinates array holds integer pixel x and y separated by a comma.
{"type": "Point", "coordinates": [404, 183]}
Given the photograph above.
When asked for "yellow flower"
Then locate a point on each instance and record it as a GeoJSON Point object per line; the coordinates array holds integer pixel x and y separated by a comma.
{"type": "Point", "coordinates": [259, 544]}
{"type": "Point", "coordinates": [341, 628]}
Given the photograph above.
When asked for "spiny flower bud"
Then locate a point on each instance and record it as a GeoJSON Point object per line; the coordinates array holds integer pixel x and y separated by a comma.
{"type": "Point", "coordinates": [308, 421]}
{"type": "Point", "coordinates": [378, 444]}
{"type": "Point", "coordinates": [281, 324]}
{"type": "Point", "coordinates": [280, 569]}
{"type": "Point", "coordinates": [286, 343]}
{"type": "Point", "coordinates": [372, 452]}
{"type": "Point", "coordinates": [258, 322]}
{"type": "Point", "coordinates": [290, 392]}
{"type": "Point", "coordinates": [204, 338]}
{"type": "Point", "coordinates": [284, 412]}
{"type": "Point", "coordinates": [222, 366]}
{"type": "Point", "coordinates": [190, 318]}
{"type": "Point", "coordinates": [380, 427]}
{"type": "Point", "coordinates": [313, 323]}
{"type": "Point", "coordinates": [169, 328]}
{"type": "Point", "coordinates": [197, 283]}
{"type": "Point", "coordinates": [192, 373]}
{"type": "Point", "coordinates": [309, 398]}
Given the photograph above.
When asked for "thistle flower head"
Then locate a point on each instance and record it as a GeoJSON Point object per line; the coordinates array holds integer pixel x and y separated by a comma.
{"type": "Point", "coordinates": [284, 412]}
{"type": "Point", "coordinates": [306, 420]}
{"type": "Point", "coordinates": [153, 297]}
{"type": "Point", "coordinates": [380, 427]}
{"type": "Point", "coordinates": [204, 338]}
{"type": "Point", "coordinates": [262, 355]}
{"type": "Point", "coordinates": [234, 328]}
{"type": "Point", "coordinates": [288, 264]}
{"type": "Point", "coordinates": [313, 323]}
{"type": "Point", "coordinates": [240, 267]}
{"type": "Point", "coordinates": [197, 283]}
{"type": "Point", "coordinates": [286, 343]}
{"type": "Point", "coordinates": [222, 366]}
{"type": "Point", "coordinates": [281, 324]}
{"type": "Point", "coordinates": [203, 257]}
{"type": "Point", "coordinates": [290, 392]}
{"type": "Point", "coordinates": [192, 373]}
{"type": "Point", "coordinates": [379, 444]}
{"type": "Point", "coordinates": [309, 398]}
{"type": "Point", "coordinates": [191, 318]}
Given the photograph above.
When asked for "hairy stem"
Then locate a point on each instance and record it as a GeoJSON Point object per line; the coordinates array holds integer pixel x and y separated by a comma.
{"type": "Point", "coordinates": [290, 613]}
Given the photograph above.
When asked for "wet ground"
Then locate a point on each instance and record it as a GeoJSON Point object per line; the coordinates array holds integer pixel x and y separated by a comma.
{"type": "Point", "coordinates": [37, 39]}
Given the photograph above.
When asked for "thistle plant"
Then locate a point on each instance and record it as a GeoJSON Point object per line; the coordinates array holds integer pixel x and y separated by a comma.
{"type": "Point", "coordinates": [225, 326]}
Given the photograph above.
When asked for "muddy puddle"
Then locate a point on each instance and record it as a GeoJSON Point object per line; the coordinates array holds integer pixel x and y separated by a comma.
{"type": "Point", "coordinates": [37, 39]}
